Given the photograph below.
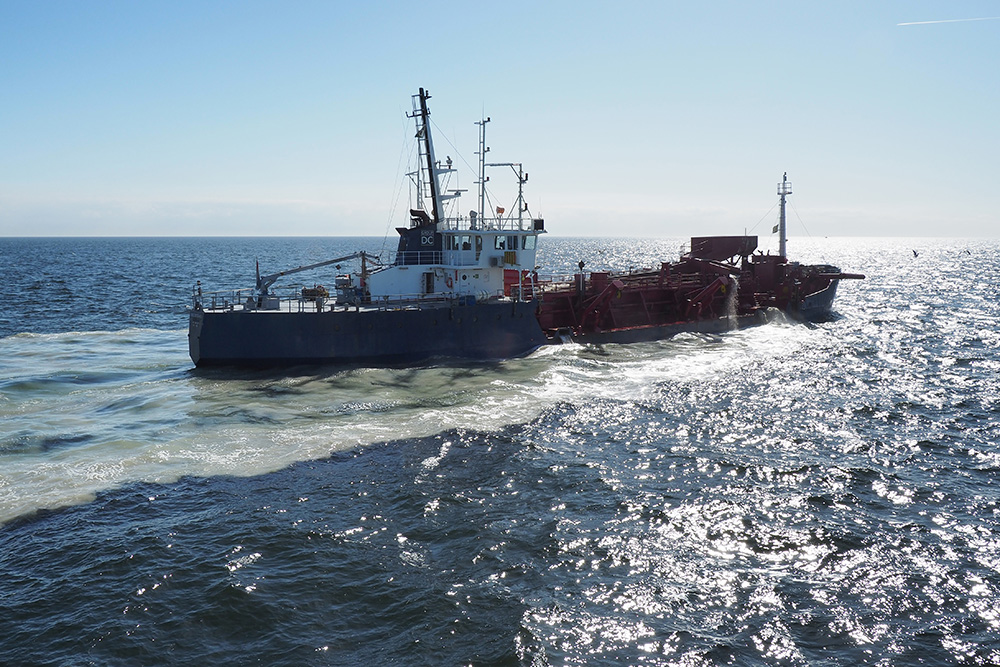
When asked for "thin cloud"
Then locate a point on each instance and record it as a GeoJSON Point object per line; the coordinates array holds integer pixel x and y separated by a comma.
{"type": "Point", "coordinates": [982, 18]}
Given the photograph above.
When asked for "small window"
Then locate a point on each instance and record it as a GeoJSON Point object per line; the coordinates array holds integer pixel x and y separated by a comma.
{"type": "Point", "coordinates": [500, 242]}
{"type": "Point", "coordinates": [529, 242]}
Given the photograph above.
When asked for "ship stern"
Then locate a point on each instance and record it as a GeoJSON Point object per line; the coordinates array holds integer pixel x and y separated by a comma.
{"type": "Point", "coordinates": [196, 321]}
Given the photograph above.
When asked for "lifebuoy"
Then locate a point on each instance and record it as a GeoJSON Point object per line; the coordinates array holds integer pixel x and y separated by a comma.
{"type": "Point", "coordinates": [448, 283]}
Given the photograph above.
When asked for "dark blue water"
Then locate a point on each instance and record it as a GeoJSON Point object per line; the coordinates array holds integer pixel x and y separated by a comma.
{"type": "Point", "coordinates": [785, 495]}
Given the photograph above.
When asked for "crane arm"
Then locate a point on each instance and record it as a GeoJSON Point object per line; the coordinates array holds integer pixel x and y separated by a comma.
{"type": "Point", "coordinates": [265, 282]}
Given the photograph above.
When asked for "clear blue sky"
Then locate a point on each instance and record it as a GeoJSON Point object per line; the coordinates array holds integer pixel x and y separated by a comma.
{"type": "Point", "coordinates": [633, 118]}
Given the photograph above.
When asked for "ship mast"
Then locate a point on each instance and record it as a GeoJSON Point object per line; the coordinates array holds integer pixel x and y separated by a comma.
{"type": "Point", "coordinates": [784, 188]}
{"type": "Point", "coordinates": [483, 150]}
{"type": "Point", "coordinates": [522, 178]}
{"type": "Point", "coordinates": [422, 117]}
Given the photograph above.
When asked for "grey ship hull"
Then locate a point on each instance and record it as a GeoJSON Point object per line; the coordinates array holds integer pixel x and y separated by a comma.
{"type": "Point", "coordinates": [479, 332]}
{"type": "Point", "coordinates": [818, 306]}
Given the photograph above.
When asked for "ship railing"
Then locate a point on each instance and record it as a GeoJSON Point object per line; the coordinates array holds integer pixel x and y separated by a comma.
{"type": "Point", "coordinates": [552, 281]}
{"type": "Point", "coordinates": [431, 257]}
{"type": "Point", "coordinates": [525, 291]}
{"type": "Point", "coordinates": [415, 257]}
{"type": "Point", "coordinates": [291, 299]}
{"type": "Point", "coordinates": [286, 297]}
{"type": "Point", "coordinates": [637, 278]}
{"type": "Point", "coordinates": [220, 299]}
{"type": "Point", "coordinates": [489, 224]}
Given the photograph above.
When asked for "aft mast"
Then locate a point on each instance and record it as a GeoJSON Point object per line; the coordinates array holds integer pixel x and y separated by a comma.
{"type": "Point", "coordinates": [483, 150]}
{"type": "Point", "coordinates": [784, 188]}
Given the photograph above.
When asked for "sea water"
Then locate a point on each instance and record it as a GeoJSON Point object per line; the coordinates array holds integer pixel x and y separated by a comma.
{"type": "Point", "coordinates": [789, 494]}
